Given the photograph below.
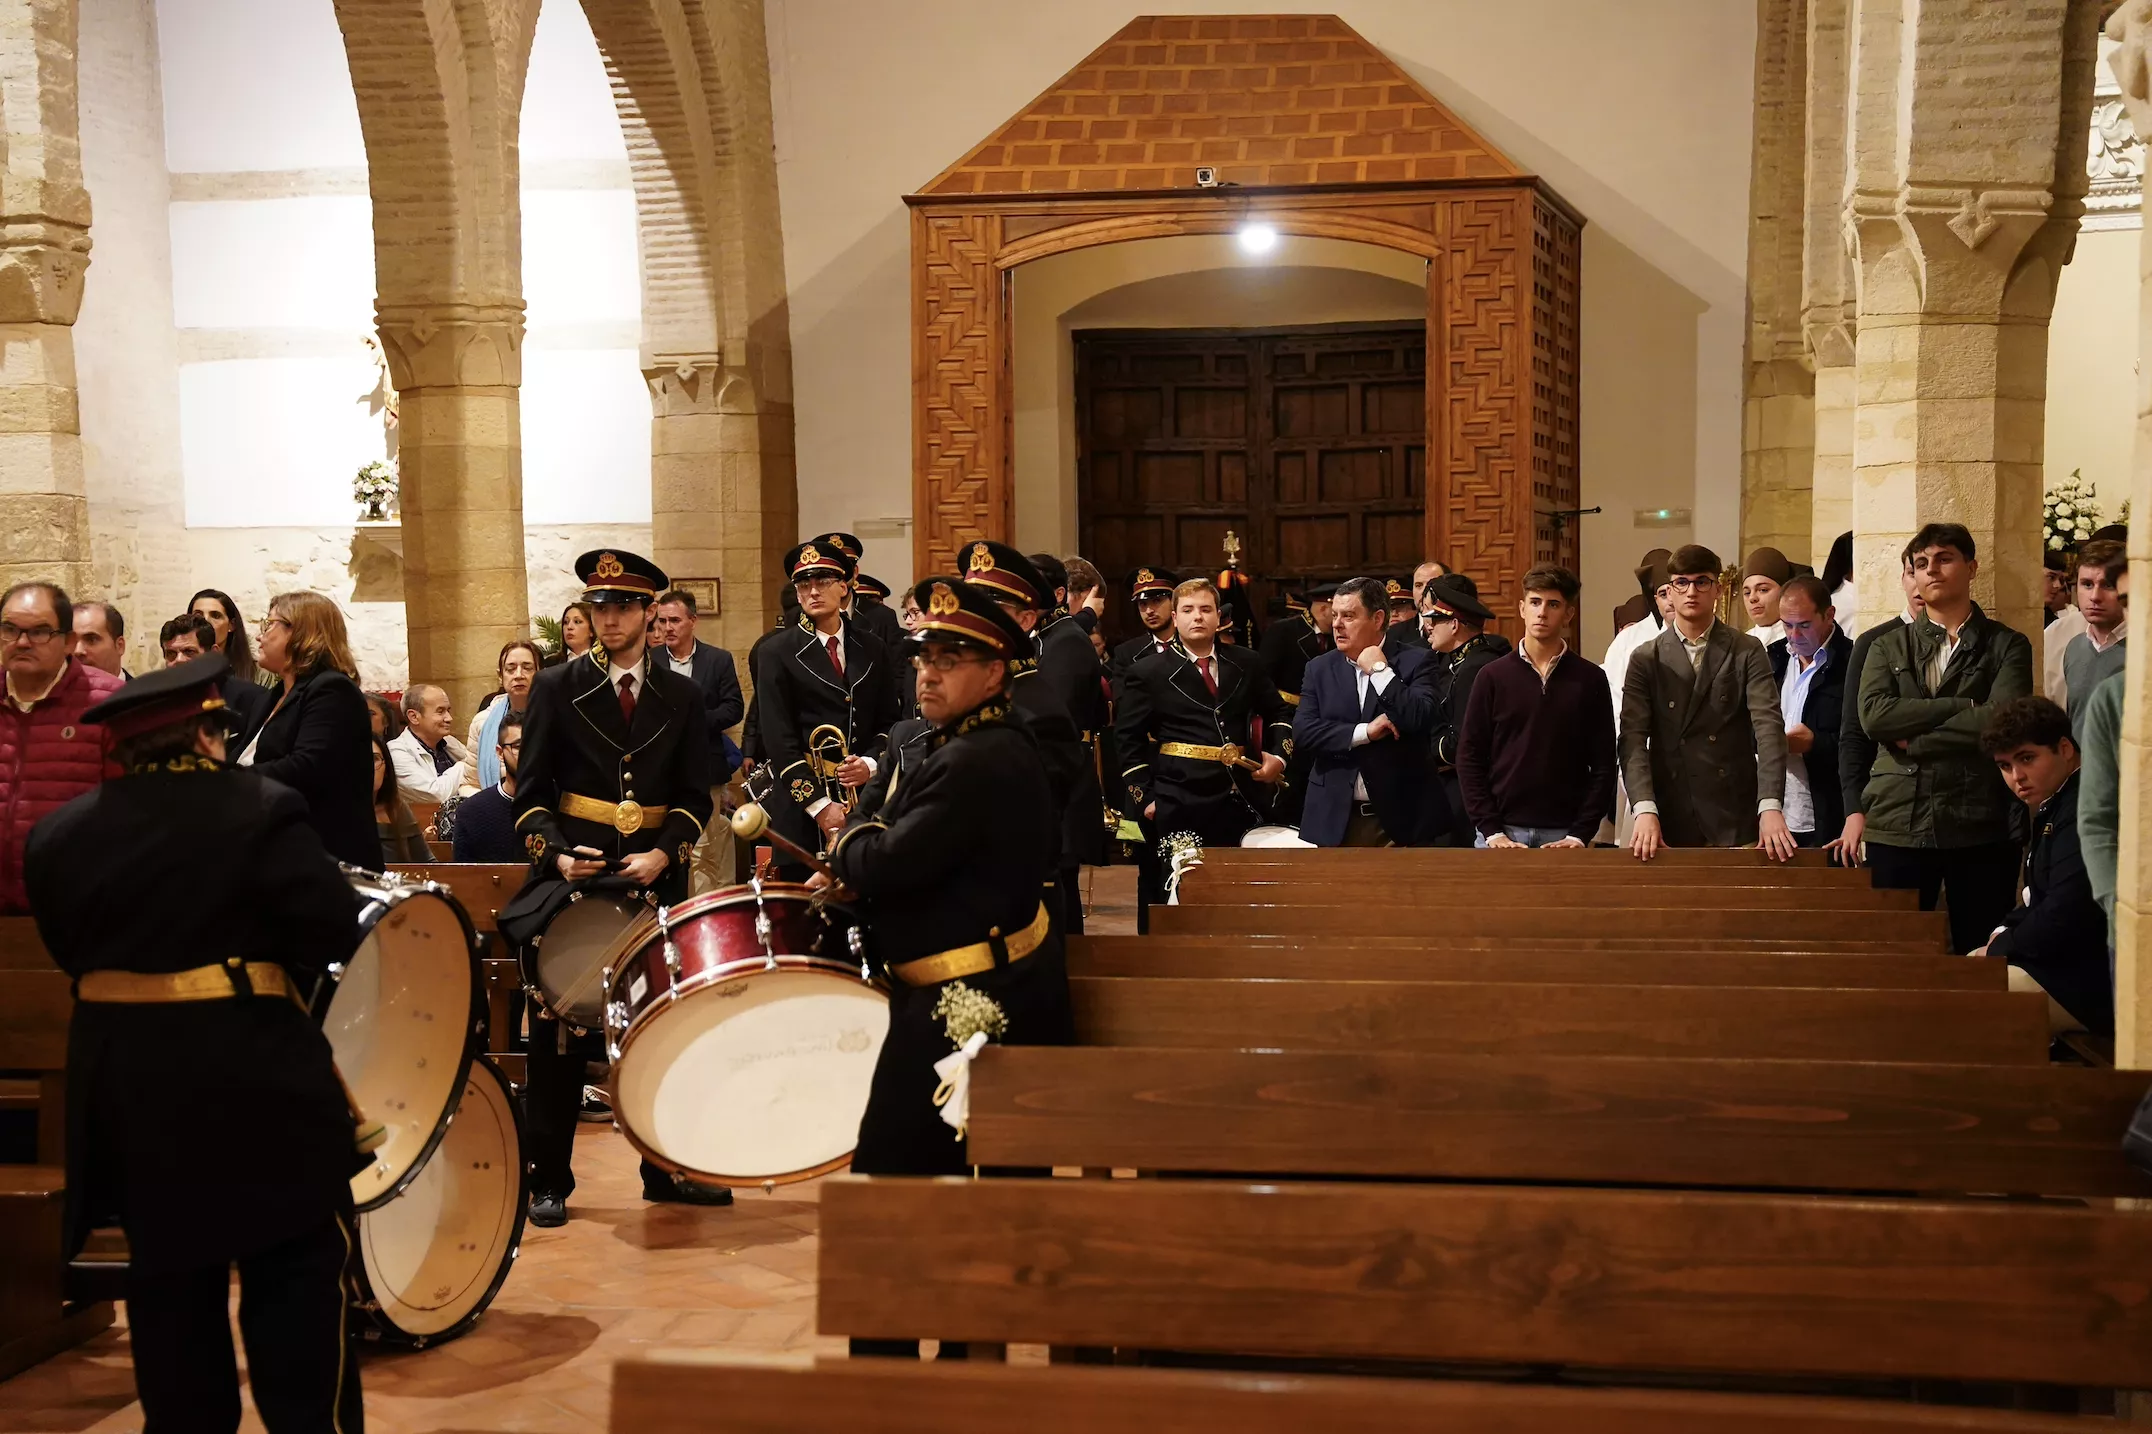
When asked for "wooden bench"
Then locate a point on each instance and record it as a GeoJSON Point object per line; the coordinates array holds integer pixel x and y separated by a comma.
{"type": "Point", "coordinates": [1498, 889]}
{"type": "Point", "coordinates": [482, 889]}
{"type": "Point", "coordinates": [1632, 1280]}
{"type": "Point", "coordinates": [1387, 959]}
{"type": "Point", "coordinates": [1794, 1125]}
{"type": "Point", "coordinates": [1705, 863]}
{"type": "Point", "coordinates": [682, 1393]}
{"type": "Point", "coordinates": [1670, 924]}
{"type": "Point", "coordinates": [1776, 941]}
{"type": "Point", "coordinates": [1476, 1018]}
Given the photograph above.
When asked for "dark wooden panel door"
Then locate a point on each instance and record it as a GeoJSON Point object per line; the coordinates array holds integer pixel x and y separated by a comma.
{"type": "Point", "coordinates": [1309, 444]}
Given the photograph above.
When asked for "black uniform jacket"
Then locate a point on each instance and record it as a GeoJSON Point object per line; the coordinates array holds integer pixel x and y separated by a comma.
{"type": "Point", "coordinates": [957, 852]}
{"type": "Point", "coordinates": [798, 690]}
{"type": "Point", "coordinates": [1164, 699]}
{"type": "Point", "coordinates": [318, 743]}
{"type": "Point", "coordinates": [1821, 713]}
{"type": "Point", "coordinates": [1129, 653]}
{"type": "Point", "coordinates": [213, 1129]}
{"type": "Point", "coordinates": [1068, 668]}
{"type": "Point", "coordinates": [907, 747]}
{"type": "Point", "coordinates": [1288, 646]}
{"type": "Point", "coordinates": [2058, 933]}
{"type": "Point", "coordinates": [879, 621]}
{"type": "Point", "coordinates": [1453, 675]}
{"type": "Point", "coordinates": [574, 743]}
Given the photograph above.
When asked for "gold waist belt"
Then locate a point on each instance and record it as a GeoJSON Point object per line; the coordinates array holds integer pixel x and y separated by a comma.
{"type": "Point", "coordinates": [1292, 699]}
{"type": "Point", "coordinates": [1230, 754]}
{"type": "Point", "coordinates": [203, 983]}
{"type": "Point", "coordinates": [627, 818]}
{"type": "Point", "coordinates": [971, 960]}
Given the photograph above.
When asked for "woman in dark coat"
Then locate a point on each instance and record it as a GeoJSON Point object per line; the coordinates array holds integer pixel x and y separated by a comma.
{"type": "Point", "coordinates": [319, 738]}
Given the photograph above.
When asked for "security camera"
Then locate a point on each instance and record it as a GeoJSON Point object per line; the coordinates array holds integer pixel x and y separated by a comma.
{"type": "Point", "coordinates": [1206, 177]}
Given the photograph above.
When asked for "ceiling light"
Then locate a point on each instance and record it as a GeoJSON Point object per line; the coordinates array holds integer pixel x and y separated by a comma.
{"type": "Point", "coordinates": [1257, 237]}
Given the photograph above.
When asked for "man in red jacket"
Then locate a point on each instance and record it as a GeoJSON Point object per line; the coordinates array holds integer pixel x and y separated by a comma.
{"type": "Point", "coordinates": [48, 754]}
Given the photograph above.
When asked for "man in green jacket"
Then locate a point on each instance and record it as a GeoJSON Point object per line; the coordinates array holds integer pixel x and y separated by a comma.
{"type": "Point", "coordinates": [1938, 815]}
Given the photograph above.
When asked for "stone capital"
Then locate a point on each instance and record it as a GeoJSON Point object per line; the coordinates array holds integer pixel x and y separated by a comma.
{"type": "Point", "coordinates": [698, 384]}
{"type": "Point", "coordinates": [1830, 329]}
{"type": "Point", "coordinates": [42, 263]}
{"type": "Point", "coordinates": [452, 345]}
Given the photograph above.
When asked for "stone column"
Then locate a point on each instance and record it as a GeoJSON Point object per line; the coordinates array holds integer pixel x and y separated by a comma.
{"type": "Point", "coordinates": [1778, 408]}
{"type": "Point", "coordinates": [722, 496]}
{"type": "Point", "coordinates": [1828, 310]}
{"type": "Point", "coordinates": [1957, 275]}
{"type": "Point", "coordinates": [2132, 65]}
{"type": "Point", "coordinates": [44, 249]}
{"type": "Point", "coordinates": [456, 369]}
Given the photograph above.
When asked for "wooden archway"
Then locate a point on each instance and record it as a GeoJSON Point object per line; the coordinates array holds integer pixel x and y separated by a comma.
{"type": "Point", "coordinates": [1315, 132]}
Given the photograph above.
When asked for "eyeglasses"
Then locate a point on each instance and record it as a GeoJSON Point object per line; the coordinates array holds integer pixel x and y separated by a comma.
{"type": "Point", "coordinates": [39, 636]}
{"type": "Point", "coordinates": [509, 746]}
{"type": "Point", "coordinates": [1686, 585]}
{"type": "Point", "coordinates": [269, 622]}
{"type": "Point", "coordinates": [945, 662]}
{"type": "Point", "coordinates": [817, 584]}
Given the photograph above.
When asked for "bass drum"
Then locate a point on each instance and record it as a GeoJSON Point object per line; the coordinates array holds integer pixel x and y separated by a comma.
{"type": "Point", "coordinates": [432, 1259]}
{"type": "Point", "coordinates": [405, 1018]}
{"type": "Point", "coordinates": [564, 965]}
{"type": "Point", "coordinates": [743, 1037]}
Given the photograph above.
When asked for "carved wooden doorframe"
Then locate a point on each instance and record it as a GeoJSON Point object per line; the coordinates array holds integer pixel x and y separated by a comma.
{"type": "Point", "coordinates": [1502, 364]}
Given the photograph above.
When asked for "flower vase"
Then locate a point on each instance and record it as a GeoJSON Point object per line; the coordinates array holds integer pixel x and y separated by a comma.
{"type": "Point", "coordinates": [373, 513]}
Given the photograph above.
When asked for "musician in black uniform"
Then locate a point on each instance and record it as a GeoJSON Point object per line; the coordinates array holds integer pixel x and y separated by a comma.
{"type": "Point", "coordinates": [614, 787]}
{"type": "Point", "coordinates": [1404, 612]}
{"type": "Point", "coordinates": [824, 672]}
{"type": "Point", "coordinates": [1151, 590]}
{"type": "Point", "coordinates": [1182, 726]}
{"type": "Point", "coordinates": [788, 616]}
{"type": "Point", "coordinates": [946, 877]}
{"type": "Point", "coordinates": [1455, 618]}
{"type": "Point", "coordinates": [196, 910]}
{"type": "Point", "coordinates": [1288, 646]}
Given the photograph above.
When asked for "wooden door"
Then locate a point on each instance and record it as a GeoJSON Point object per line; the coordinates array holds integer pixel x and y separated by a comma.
{"type": "Point", "coordinates": [1308, 444]}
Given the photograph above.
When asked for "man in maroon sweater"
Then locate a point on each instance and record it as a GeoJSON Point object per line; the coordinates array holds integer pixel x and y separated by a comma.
{"type": "Point", "coordinates": [1536, 758]}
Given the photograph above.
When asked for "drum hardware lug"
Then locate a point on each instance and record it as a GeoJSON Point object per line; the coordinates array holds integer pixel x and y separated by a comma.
{"type": "Point", "coordinates": [672, 952]}
{"type": "Point", "coordinates": [763, 928]}
{"type": "Point", "coordinates": [336, 970]}
{"type": "Point", "coordinates": [858, 945]}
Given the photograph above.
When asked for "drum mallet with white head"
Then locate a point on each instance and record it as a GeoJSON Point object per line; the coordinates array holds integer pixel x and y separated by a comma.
{"type": "Point", "coordinates": [752, 823]}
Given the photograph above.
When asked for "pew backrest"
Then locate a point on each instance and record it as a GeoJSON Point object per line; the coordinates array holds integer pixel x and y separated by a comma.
{"type": "Point", "coordinates": [482, 889]}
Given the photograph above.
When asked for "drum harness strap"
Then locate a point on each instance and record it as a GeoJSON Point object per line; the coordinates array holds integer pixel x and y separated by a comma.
{"type": "Point", "coordinates": [988, 955]}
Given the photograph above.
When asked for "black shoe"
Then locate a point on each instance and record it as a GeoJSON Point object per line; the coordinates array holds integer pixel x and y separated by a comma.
{"type": "Point", "coordinates": [595, 1108]}
{"type": "Point", "coordinates": [679, 1190]}
{"type": "Point", "coordinates": [549, 1212]}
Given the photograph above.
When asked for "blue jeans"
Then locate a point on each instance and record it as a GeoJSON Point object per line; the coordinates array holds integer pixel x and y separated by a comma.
{"type": "Point", "coordinates": [1527, 836]}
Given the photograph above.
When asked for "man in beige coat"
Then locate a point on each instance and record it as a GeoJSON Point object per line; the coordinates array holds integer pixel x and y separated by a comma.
{"type": "Point", "coordinates": [1703, 748]}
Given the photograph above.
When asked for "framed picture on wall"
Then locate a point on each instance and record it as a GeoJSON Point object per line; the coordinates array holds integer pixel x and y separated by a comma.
{"type": "Point", "coordinates": [705, 592]}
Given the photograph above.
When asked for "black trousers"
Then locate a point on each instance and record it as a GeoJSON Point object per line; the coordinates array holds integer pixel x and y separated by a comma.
{"type": "Point", "coordinates": [293, 1315]}
{"type": "Point", "coordinates": [1981, 882]}
{"type": "Point", "coordinates": [552, 1102]}
{"type": "Point", "coordinates": [1071, 888]}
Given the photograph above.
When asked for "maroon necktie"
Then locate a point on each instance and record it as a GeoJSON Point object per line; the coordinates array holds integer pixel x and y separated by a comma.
{"type": "Point", "coordinates": [627, 698]}
{"type": "Point", "coordinates": [1203, 665]}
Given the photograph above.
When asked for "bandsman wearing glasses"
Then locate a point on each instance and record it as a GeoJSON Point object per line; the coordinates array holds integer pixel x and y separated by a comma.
{"type": "Point", "coordinates": [48, 753]}
{"type": "Point", "coordinates": [826, 696]}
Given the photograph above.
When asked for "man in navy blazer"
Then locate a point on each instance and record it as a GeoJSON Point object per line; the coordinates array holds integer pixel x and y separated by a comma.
{"type": "Point", "coordinates": [1366, 709]}
{"type": "Point", "coordinates": [711, 668]}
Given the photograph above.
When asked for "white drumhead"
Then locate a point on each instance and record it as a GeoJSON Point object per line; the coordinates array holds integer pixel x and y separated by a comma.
{"type": "Point", "coordinates": [1274, 836]}
{"type": "Point", "coordinates": [399, 1022]}
{"type": "Point", "coordinates": [574, 949]}
{"type": "Point", "coordinates": [434, 1255]}
{"type": "Point", "coordinates": [757, 1078]}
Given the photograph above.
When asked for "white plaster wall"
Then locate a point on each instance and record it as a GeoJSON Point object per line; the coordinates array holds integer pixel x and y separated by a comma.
{"type": "Point", "coordinates": [2092, 367]}
{"type": "Point", "coordinates": [1638, 113]}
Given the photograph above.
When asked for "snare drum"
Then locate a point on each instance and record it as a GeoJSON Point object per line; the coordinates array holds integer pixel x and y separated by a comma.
{"type": "Point", "coordinates": [564, 965]}
{"type": "Point", "coordinates": [433, 1257]}
{"type": "Point", "coordinates": [405, 1019]}
{"type": "Point", "coordinates": [743, 1035]}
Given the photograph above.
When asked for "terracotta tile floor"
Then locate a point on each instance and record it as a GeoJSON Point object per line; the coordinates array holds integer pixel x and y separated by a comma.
{"type": "Point", "coordinates": [621, 1277]}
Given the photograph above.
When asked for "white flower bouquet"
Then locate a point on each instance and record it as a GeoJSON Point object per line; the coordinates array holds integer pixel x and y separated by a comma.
{"type": "Point", "coordinates": [2069, 514]}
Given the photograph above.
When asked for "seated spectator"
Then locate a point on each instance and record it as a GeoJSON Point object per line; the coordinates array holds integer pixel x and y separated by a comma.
{"type": "Point", "coordinates": [1938, 815]}
{"type": "Point", "coordinates": [385, 716]}
{"type": "Point", "coordinates": [486, 820]}
{"type": "Point", "coordinates": [189, 636]}
{"type": "Point", "coordinates": [1363, 720]}
{"type": "Point", "coordinates": [1809, 664]}
{"type": "Point", "coordinates": [429, 761]}
{"type": "Point", "coordinates": [101, 637]}
{"type": "Point", "coordinates": [2056, 938]}
{"type": "Point", "coordinates": [315, 739]}
{"type": "Point", "coordinates": [1536, 758]}
{"type": "Point", "coordinates": [1703, 747]}
{"type": "Point", "coordinates": [402, 839]}
{"type": "Point", "coordinates": [2102, 595]}
{"type": "Point", "coordinates": [48, 754]}
{"type": "Point", "coordinates": [517, 667]}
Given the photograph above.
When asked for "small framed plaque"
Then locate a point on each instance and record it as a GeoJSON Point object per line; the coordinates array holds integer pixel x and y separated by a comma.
{"type": "Point", "coordinates": [705, 592]}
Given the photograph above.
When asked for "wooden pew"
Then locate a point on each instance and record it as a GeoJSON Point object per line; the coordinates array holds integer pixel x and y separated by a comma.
{"type": "Point", "coordinates": [1648, 1281]}
{"type": "Point", "coordinates": [1228, 958]}
{"type": "Point", "coordinates": [1467, 1018]}
{"type": "Point", "coordinates": [1442, 897]}
{"type": "Point", "coordinates": [1706, 863]}
{"type": "Point", "coordinates": [1790, 1125]}
{"type": "Point", "coordinates": [1774, 941]}
{"type": "Point", "coordinates": [680, 1393]}
{"type": "Point", "coordinates": [1669, 924]}
{"type": "Point", "coordinates": [482, 890]}
{"type": "Point", "coordinates": [20, 947]}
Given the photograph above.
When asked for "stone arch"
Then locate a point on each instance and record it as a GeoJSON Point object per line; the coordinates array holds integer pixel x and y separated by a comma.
{"type": "Point", "coordinates": [692, 89]}
{"type": "Point", "coordinates": [440, 87]}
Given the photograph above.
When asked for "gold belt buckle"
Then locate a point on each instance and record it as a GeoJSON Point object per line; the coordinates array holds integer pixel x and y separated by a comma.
{"type": "Point", "coordinates": [1229, 754]}
{"type": "Point", "coordinates": [628, 818]}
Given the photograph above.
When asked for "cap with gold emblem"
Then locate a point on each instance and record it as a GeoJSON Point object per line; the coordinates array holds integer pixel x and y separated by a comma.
{"type": "Point", "coordinates": [1399, 590]}
{"type": "Point", "coordinates": [163, 698]}
{"type": "Point", "coordinates": [617, 575]}
{"type": "Point", "coordinates": [1005, 572]}
{"type": "Point", "coordinates": [1151, 582]}
{"type": "Point", "coordinates": [847, 544]}
{"type": "Point", "coordinates": [968, 613]}
{"type": "Point", "coordinates": [820, 558]}
{"type": "Point", "coordinates": [871, 588]}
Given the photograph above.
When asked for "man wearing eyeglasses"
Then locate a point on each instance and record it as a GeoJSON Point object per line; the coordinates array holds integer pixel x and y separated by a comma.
{"type": "Point", "coordinates": [1703, 746]}
{"type": "Point", "coordinates": [486, 820]}
{"type": "Point", "coordinates": [48, 754]}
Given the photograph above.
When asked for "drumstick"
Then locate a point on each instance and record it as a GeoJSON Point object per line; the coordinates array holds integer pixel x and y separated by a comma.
{"type": "Point", "coordinates": [752, 823]}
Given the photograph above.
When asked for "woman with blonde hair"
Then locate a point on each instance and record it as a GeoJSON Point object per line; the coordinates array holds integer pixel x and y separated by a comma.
{"type": "Point", "coordinates": [319, 737]}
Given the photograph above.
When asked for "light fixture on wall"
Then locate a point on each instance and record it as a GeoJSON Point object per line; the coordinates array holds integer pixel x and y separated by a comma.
{"type": "Point", "coordinates": [1256, 237]}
